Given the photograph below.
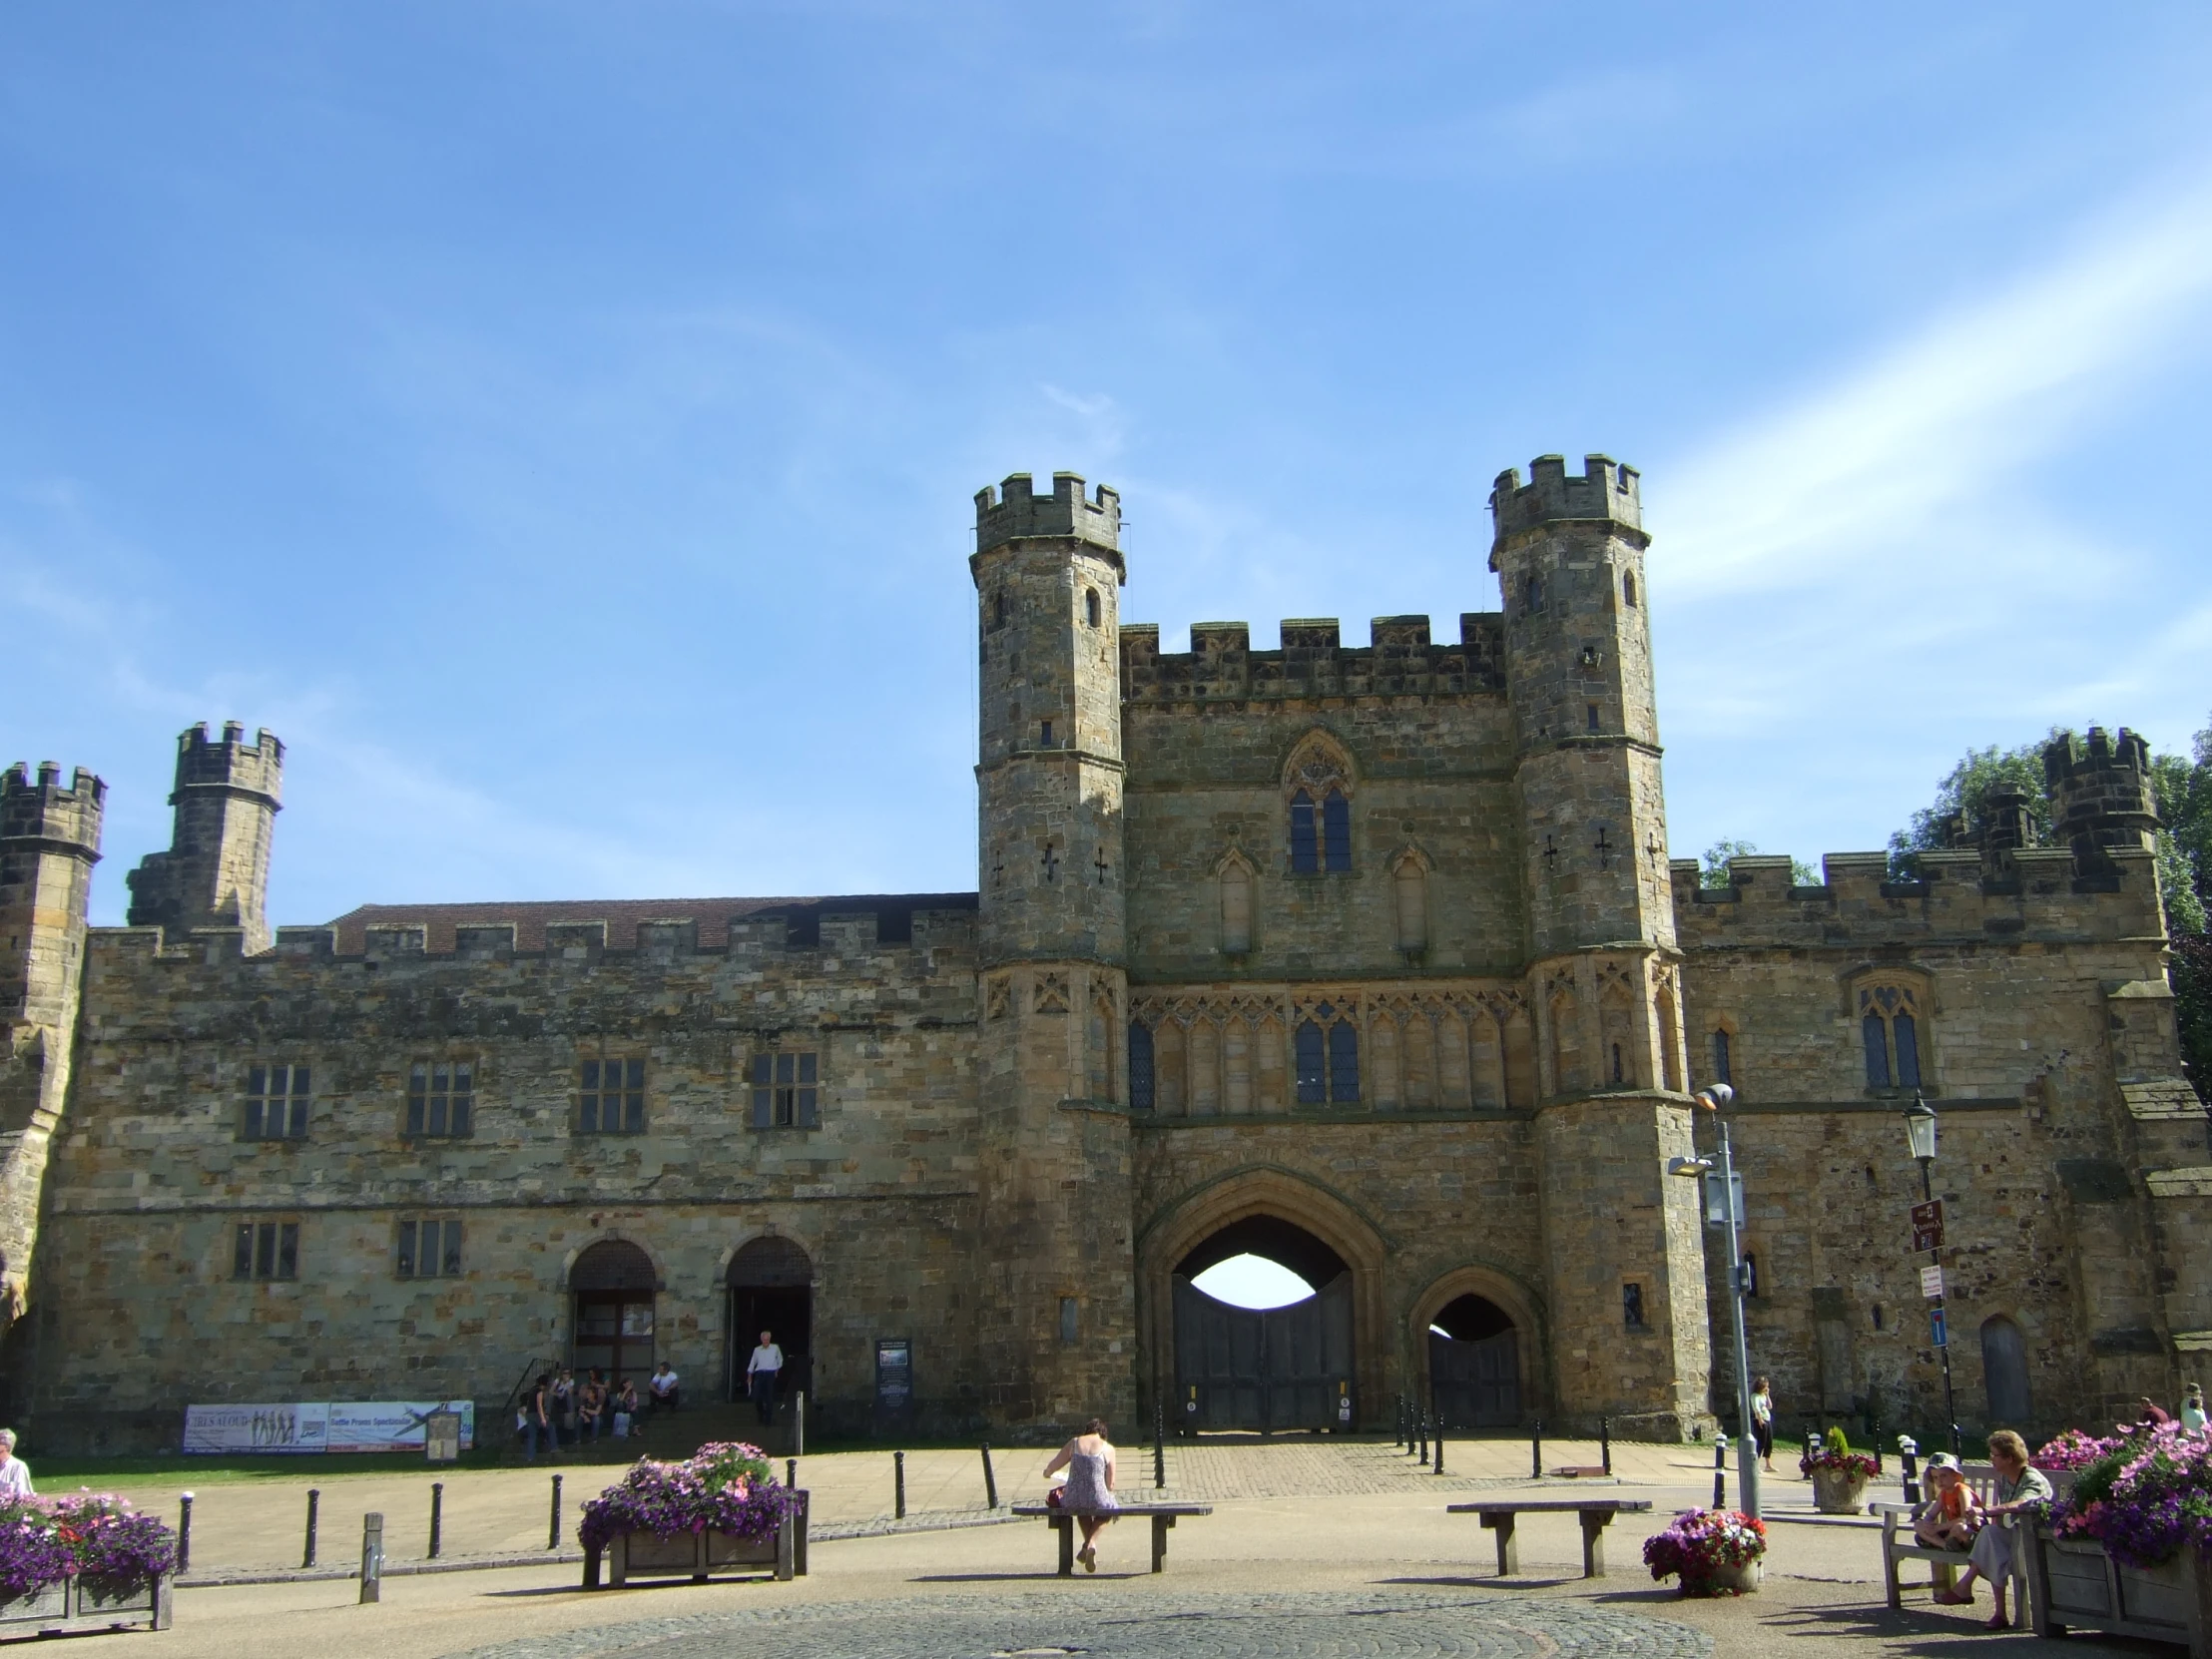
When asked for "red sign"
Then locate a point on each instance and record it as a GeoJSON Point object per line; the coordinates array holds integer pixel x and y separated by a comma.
{"type": "Point", "coordinates": [1927, 1225]}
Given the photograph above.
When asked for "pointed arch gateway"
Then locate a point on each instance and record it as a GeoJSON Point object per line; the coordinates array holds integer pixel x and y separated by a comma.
{"type": "Point", "coordinates": [1329, 1349]}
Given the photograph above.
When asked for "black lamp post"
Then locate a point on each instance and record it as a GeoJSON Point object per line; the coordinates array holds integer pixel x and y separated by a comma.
{"type": "Point", "coordinates": [1920, 1133]}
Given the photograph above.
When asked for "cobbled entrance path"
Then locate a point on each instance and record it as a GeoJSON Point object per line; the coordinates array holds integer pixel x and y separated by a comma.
{"type": "Point", "coordinates": [1067, 1621]}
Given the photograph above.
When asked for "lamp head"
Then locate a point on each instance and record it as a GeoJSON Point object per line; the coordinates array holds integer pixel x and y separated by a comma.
{"type": "Point", "coordinates": [1919, 1129]}
{"type": "Point", "coordinates": [1714, 1097]}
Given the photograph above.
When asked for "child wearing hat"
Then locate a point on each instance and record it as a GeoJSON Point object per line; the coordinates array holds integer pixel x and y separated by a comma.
{"type": "Point", "coordinates": [1951, 1516]}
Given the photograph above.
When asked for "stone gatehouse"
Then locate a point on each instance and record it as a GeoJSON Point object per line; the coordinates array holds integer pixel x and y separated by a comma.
{"type": "Point", "coordinates": [1370, 958]}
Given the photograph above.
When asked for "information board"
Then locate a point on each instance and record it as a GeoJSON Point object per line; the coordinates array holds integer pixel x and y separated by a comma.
{"type": "Point", "coordinates": [375, 1425]}
{"type": "Point", "coordinates": [894, 1377]}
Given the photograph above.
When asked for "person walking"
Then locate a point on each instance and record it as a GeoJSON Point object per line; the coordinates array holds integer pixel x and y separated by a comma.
{"type": "Point", "coordinates": [564, 1408]}
{"type": "Point", "coordinates": [537, 1420]}
{"type": "Point", "coordinates": [1088, 1495]}
{"type": "Point", "coordinates": [15, 1474]}
{"type": "Point", "coordinates": [1762, 1420]}
{"type": "Point", "coordinates": [2018, 1488]}
{"type": "Point", "coordinates": [761, 1373]}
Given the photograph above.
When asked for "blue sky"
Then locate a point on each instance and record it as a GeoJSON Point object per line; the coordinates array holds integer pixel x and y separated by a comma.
{"type": "Point", "coordinates": [559, 421]}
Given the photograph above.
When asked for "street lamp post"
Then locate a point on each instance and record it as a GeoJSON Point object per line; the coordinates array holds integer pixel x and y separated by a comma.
{"type": "Point", "coordinates": [1715, 1099]}
{"type": "Point", "coordinates": [1920, 1132]}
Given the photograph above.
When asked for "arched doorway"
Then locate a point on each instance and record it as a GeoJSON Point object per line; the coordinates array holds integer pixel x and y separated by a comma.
{"type": "Point", "coordinates": [1474, 1365]}
{"type": "Point", "coordinates": [611, 1286]}
{"type": "Point", "coordinates": [2004, 1372]}
{"type": "Point", "coordinates": [1290, 1367]}
{"type": "Point", "coordinates": [771, 1284]}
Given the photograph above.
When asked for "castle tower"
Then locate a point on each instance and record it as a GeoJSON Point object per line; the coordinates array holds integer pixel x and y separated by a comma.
{"type": "Point", "coordinates": [215, 871]}
{"type": "Point", "coordinates": [1629, 1333]}
{"type": "Point", "coordinates": [2101, 799]}
{"type": "Point", "coordinates": [49, 842]}
{"type": "Point", "coordinates": [1057, 1316]}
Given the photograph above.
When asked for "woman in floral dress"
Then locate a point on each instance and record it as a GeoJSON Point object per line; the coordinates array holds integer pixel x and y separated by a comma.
{"type": "Point", "coordinates": [1089, 1492]}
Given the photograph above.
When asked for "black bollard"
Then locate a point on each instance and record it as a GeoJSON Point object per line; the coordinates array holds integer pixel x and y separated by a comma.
{"type": "Point", "coordinates": [315, 1504]}
{"type": "Point", "coordinates": [1720, 1470]}
{"type": "Point", "coordinates": [1909, 1453]}
{"type": "Point", "coordinates": [438, 1516]}
{"type": "Point", "coordinates": [553, 1533]}
{"type": "Point", "coordinates": [373, 1558]}
{"type": "Point", "coordinates": [990, 1478]}
{"type": "Point", "coordinates": [184, 1534]}
{"type": "Point", "coordinates": [1439, 1466]}
{"type": "Point", "coordinates": [1422, 1432]}
{"type": "Point", "coordinates": [791, 1474]}
{"type": "Point", "coordinates": [1159, 1446]}
{"type": "Point", "coordinates": [1536, 1448]}
{"type": "Point", "coordinates": [898, 1485]}
{"type": "Point", "coordinates": [798, 1424]}
{"type": "Point", "coordinates": [1605, 1443]}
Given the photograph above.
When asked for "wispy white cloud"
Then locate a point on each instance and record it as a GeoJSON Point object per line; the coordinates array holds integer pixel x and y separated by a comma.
{"type": "Point", "coordinates": [1947, 414]}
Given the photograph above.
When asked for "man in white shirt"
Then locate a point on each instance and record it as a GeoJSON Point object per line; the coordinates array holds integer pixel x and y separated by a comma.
{"type": "Point", "coordinates": [662, 1386]}
{"type": "Point", "coordinates": [761, 1373]}
{"type": "Point", "coordinates": [15, 1474]}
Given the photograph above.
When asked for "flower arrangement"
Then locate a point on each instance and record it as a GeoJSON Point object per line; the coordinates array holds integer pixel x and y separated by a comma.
{"type": "Point", "coordinates": [2142, 1498]}
{"type": "Point", "coordinates": [2073, 1450]}
{"type": "Point", "coordinates": [1703, 1543]}
{"type": "Point", "coordinates": [728, 1488]}
{"type": "Point", "coordinates": [1833, 1451]}
{"type": "Point", "coordinates": [89, 1535]}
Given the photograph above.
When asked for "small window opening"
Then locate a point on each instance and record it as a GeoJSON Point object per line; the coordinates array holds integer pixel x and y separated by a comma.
{"type": "Point", "coordinates": [1070, 1314]}
{"type": "Point", "coordinates": [1616, 1062]}
{"type": "Point", "coordinates": [1045, 739]}
{"type": "Point", "coordinates": [1723, 1069]}
{"type": "Point", "coordinates": [1632, 1306]}
{"type": "Point", "coordinates": [1877, 1315]}
{"type": "Point", "coordinates": [1628, 588]}
{"type": "Point", "coordinates": [1140, 1067]}
{"type": "Point", "coordinates": [1593, 717]}
{"type": "Point", "coordinates": [1090, 606]}
{"type": "Point", "coordinates": [998, 609]}
{"type": "Point", "coordinates": [1532, 593]}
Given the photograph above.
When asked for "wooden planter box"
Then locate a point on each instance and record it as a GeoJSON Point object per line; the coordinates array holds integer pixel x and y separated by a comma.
{"type": "Point", "coordinates": [2075, 1585]}
{"type": "Point", "coordinates": [79, 1606]}
{"type": "Point", "coordinates": [699, 1555]}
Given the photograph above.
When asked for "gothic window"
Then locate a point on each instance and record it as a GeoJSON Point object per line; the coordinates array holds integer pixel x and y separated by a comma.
{"type": "Point", "coordinates": [1723, 1070]}
{"type": "Point", "coordinates": [429, 1249]}
{"type": "Point", "coordinates": [610, 1097]}
{"type": "Point", "coordinates": [787, 1090]}
{"type": "Point", "coordinates": [1889, 1032]}
{"type": "Point", "coordinates": [1304, 844]}
{"type": "Point", "coordinates": [1312, 1076]}
{"type": "Point", "coordinates": [1140, 1066]}
{"type": "Point", "coordinates": [1090, 606]}
{"type": "Point", "coordinates": [441, 1098]}
{"type": "Point", "coordinates": [266, 1250]}
{"type": "Point", "coordinates": [1235, 908]}
{"type": "Point", "coordinates": [277, 1103]}
{"type": "Point", "coordinates": [1335, 833]}
{"type": "Point", "coordinates": [1628, 589]}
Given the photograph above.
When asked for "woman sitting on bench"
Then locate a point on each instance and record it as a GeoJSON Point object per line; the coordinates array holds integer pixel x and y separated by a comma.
{"type": "Point", "coordinates": [1089, 1492]}
{"type": "Point", "coordinates": [2018, 1488]}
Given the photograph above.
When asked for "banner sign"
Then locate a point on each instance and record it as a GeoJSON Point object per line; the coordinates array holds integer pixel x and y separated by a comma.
{"type": "Point", "coordinates": [321, 1427]}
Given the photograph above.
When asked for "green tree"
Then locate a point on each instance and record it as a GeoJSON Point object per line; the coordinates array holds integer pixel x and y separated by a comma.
{"type": "Point", "coordinates": [1966, 791]}
{"type": "Point", "coordinates": [1715, 872]}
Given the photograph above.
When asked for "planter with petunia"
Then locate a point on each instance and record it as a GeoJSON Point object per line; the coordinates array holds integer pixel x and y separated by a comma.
{"type": "Point", "coordinates": [83, 1562]}
{"type": "Point", "coordinates": [720, 1509]}
{"type": "Point", "coordinates": [1715, 1552]}
{"type": "Point", "coordinates": [2130, 1551]}
{"type": "Point", "coordinates": [1838, 1474]}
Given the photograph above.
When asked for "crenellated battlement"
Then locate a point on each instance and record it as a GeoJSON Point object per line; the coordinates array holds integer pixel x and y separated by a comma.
{"type": "Point", "coordinates": [231, 764]}
{"type": "Point", "coordinates": [41, 815]}
{"type": "Point", "coordinates": [1400, 658]}
{"type": "Point", "coordinates": [2102, 796]}
{"type": "Point", "coordinates": [2030, 895]}
{"type": "Point", "coordinates": [1014, 511]}
{"type": "Point", "coordinates": [1607, 492]}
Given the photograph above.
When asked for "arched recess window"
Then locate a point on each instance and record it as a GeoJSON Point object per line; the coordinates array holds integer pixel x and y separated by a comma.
{"type": "Point", "coordinates": [1140, 1066]}
{"type": "Point", "coordinates": [1409, 894]}
{"type": "Point", "coordinates": [2004, 1372]}
{"type": "Point", "coordinates": [1090, 606]}
{"type": "Point", "coordinates": [1628, 588]}
{"type": "Point", "coordinates": [1724, 1058]}
{"type": "Point", "coordinates": [1335, 833]}
{"type": "Point", "coordinates": [1236, 908]}
{"type": "Point", "coordinates": [1305, 843]}
{"type": "Point", "coordinates": [1532, 593]}
{"type": "Point", "coordinates": [1890, 1036]}
{"type": "Point", "coordinates": [1327, 1056]}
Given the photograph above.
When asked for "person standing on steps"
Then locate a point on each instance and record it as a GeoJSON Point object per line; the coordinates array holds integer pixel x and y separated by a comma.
{"type": "Point", "coordinates": [761, 1373]}
{"type": "Point", "coordinates": [1089, 1492]}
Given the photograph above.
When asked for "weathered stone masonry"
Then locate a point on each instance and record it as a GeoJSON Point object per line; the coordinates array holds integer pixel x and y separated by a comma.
{"type": "Point", "coordinates": [1382, 943]}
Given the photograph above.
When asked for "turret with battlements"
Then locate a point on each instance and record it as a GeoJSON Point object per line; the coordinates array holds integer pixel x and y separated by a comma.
{"type": "Point", "coordinates": [215, 871]}
{"type": "Point", "coordinates": [2101, 797]}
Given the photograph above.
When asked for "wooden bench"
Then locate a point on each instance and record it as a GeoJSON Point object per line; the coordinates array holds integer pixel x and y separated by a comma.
{"type": "Point", "coordinates": [1899, 1545]}
{"type": "Point", "coordinates": [1162, 1516]}
{"type": "Point", "coordinates": [1596, 1516]}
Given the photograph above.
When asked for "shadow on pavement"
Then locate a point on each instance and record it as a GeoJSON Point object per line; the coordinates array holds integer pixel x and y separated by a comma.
{"type": "Point", "coordinates": [1046, 1576]}
{"type": "Point", "coordinates": [1489, 1582]}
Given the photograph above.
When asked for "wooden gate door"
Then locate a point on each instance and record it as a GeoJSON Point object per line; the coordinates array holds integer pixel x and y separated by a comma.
{"type": "Point", "coordinates": [1477, 1385]}
{"type": "Point", "coordinates": [1264, 1368]}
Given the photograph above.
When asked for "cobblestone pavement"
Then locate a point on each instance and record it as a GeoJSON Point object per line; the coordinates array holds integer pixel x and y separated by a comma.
{"type": "Point", "coordinates": [1315, 1625]}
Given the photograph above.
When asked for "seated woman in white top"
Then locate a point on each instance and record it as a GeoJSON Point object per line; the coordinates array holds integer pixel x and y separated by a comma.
{"type": "Point", "coordinates": [15, 1474]}
{"type": "Point", "coordinates": [1089, 1492]}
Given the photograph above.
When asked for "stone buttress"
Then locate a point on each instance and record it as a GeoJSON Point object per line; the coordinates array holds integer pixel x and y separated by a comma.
{"type": "Point", "coordinates": [1057, 1319]}
{"type": "Point", "coordinates": [1627, 1280]}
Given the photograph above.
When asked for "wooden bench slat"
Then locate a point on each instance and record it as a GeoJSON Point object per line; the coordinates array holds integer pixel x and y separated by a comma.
{"type": "Point", "coordinates": [1553, 1505]}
